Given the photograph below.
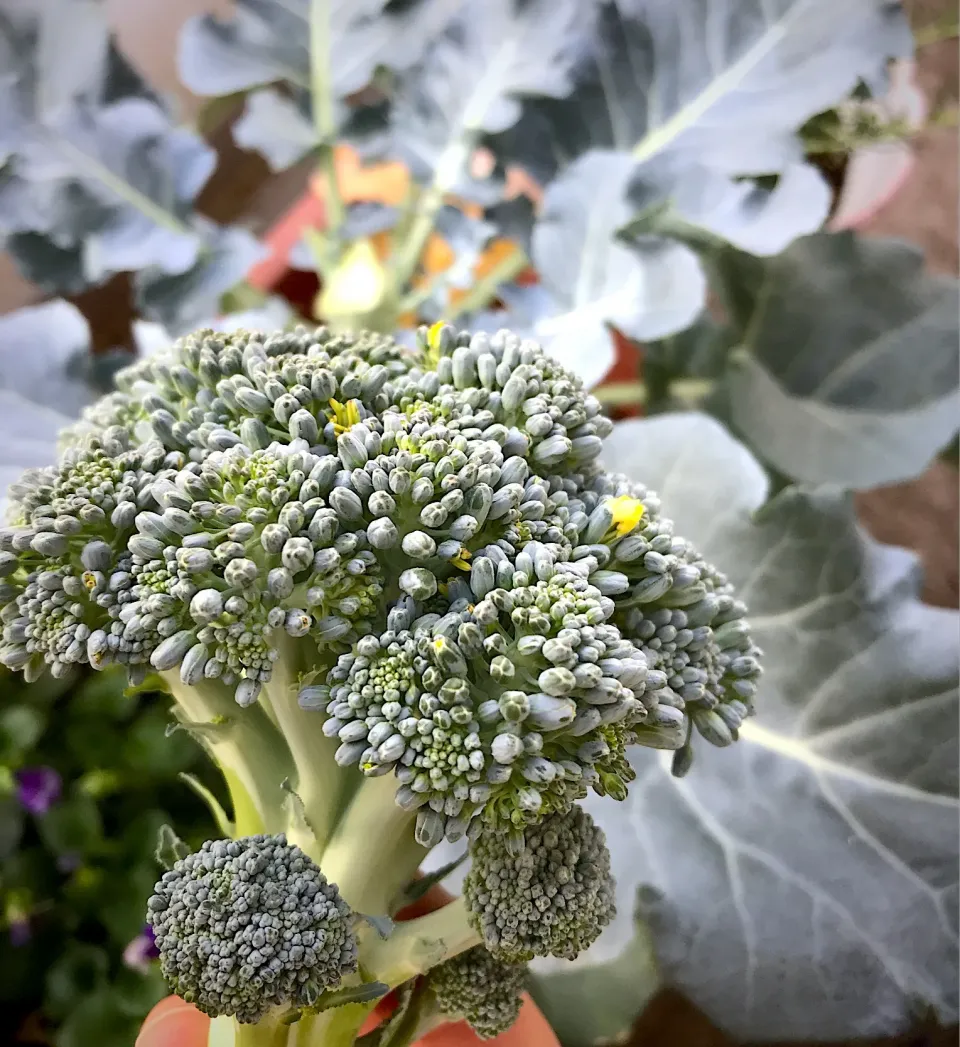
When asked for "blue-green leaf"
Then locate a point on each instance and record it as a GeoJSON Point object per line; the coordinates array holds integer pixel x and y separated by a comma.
{"type": "Point", "coordinates": [849, 370]}
{"type": "Point", "coordinates": [805, 878]}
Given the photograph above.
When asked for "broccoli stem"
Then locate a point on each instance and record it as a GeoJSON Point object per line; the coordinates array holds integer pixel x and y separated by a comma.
{"type": "Point", "coordinates": [337, 1027]}
{"type": "Point", "coordinates": [268, 1032]}
{"type": "Point", "coordinates": [417, 945]}
{"type": "Point", "coordinates": [318, 781]}
{"type": "Point", "coordinates": [245, 745]}
{"type": "Point", "coordinates": [372, 853]}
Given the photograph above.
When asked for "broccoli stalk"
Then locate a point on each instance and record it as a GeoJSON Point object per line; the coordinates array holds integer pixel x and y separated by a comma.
{"type": "Point", "coordinates": [398, 601]}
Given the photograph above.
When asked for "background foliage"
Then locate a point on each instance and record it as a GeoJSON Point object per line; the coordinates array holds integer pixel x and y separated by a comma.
{"type": "Point", "coordinates": [571, 169]}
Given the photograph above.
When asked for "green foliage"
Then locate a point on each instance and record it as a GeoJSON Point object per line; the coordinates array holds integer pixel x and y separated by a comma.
{"type": "Point", "coordinates": [79, 872]}
{"type": "Point", "coordinates": [818, 859]}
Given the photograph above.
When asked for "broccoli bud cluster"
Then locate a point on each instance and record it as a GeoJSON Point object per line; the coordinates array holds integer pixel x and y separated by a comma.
{"type": "Point", "coordinates": [246, 925]}
{"type": "Point", "coordinates": [479, 989]}
{"type": "Point", "coordinates": [553, 898]}
{"type": "Point", "coordinates": [503, 617]}
{"type": "Point", "coordinates": [506, 707]}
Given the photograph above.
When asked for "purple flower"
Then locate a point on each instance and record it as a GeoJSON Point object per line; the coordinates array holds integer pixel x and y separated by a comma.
{"type": "Point", "coordinates": [19, 929]}
{"type": "Point", "coordinates": [38, 788]}
{"type": "Point", "coordinates": [69, 862]}
{"type": "Point", "coordinates": [142, 950]}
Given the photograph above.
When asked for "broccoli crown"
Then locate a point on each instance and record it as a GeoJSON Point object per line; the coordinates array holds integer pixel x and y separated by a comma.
{"type": "Point", "coordinates": [245, 925]}
{"type": "Point", "coordinates": [503, 618]}
{"type": "Point", "coordinates": [480, 989]}
{"type": "Point", "coordinates": [553, 897]}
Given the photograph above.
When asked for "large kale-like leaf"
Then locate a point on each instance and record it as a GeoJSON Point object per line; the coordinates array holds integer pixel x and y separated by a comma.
{"type": "Point", "coordinates": [802, 883]}
{"type": "Point", "coordinates": [688, 97]}
{"type": "Point", "coordinates": [183, 301]}
{"type": "Point", "coordinates": [719, 83]}
{"type": "Point", "coordinates": [106, 182]}
{"type": "Point", "coordinates": [268, 42]}
{"type": "Point", "coordinates": [471, 77]}
{"type": "Point", "coordinates": [847, 371]}
{"type": "Point", "coordinates": [43, 384]}
{"type": "Point", "coordinates": [648, 288]}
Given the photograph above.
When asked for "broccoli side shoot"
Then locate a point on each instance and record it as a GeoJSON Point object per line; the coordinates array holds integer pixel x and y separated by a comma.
{"type": "Point", "coordinates": [552, 899]}
{"type": "Point", "coordinates": [246, 925]}
{"type": "Point", "coordinates": [480, 989]}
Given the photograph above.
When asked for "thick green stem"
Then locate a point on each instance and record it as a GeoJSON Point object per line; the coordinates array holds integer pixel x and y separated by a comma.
{"type": "Point", "coordinates": [245, 745]}
{"type": "Point", "coordinates": [323, 112]}
{"type": "Point", "coordinates": [373, 853]}
{"type": "Point", "coordinates": [635, 393]}
{"type": "Point", "coordinates": [417, 945]}
{"type": "Point", "coordinates": [268, 1032]}
{"type": "Point", "coordinates": [485, 290]}
{"type": "Point", "coordinates": [337, 1027]}
{"type": "Point", "coordinates": [452, 162]}
{"type": "Point", "coordinates": [317, 780]}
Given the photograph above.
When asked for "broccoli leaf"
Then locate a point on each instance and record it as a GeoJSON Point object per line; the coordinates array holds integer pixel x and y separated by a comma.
{"type": "Point", "coordinates": [106, 181]}
{"type": "Point", "coordinates": [744, 212]}
{"type": "Point", "coordinates": [170, 848]}
{"type": "Point", "coordinates": [806, 878]}
{"type": "Point", "coordinates": [718, 83]}
{"type": "Point", "coordinates": [274, 125]}
{"type": "Point", "coordinates": [268, 41]}
{"type": "Point", "coordinates": [44, 385]}
{"type": "Point", "coordinates": [183, 301]}
{"type": "Point", "coordinates": [647, 287]}
{"type": "Point", "coordinates": [679, 99]}
{"type": "Point", "coordinates": [849, 373]}
{"type": "Point", "coordinates": [470, 78]}
{"type": "Point", "coordinates": [43, 349]}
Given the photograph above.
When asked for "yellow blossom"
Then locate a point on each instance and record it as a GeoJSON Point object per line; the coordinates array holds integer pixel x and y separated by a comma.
{"type": "Point", "coordinates": [627, 513]}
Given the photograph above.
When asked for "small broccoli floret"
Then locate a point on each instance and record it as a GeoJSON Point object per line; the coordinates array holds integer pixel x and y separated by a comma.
{"type": "Point", "coordinates": [553, 898]}
{"type": "Point", "coordinates": [678, 609]}
{"type": "Point", "coordinates": [508, 709]}
{"type": "Point", "coordinates": [480, 989]}
{"type": "Point", "coordinates": [246, 925]}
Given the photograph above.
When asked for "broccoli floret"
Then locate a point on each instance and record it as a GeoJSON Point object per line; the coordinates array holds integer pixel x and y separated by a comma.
{"type": "Point", "coordinates": [245, 925]}
{"type": "Point", "coordinates": [504, 708]}
{"type": "Point", "coordinates": [553, 898]}
{"type": "Point", "coordinates": [480, 989]}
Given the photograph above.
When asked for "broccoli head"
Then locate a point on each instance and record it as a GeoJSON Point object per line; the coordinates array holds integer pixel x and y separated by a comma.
{"type": "Point", "coordinates": [552, 899]}
{"type": "Point", "coordinates": [246, 925]}
{"type": "Point", "coordinates": [479, 989]}
{"type": "Point", "coordinates": [398, 599]}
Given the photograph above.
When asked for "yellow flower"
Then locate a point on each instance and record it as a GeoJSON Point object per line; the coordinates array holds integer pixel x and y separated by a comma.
{"type": "Point", "coordinates": [462, 559]}
{"type": "Point", "coordinates": [627, 513]}
{"type": "Point", "coordinates": [433, 344]}
{"type": "Point", "coordinates": [344, 415]}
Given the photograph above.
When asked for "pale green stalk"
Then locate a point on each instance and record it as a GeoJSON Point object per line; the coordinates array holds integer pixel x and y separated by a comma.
{"type": "Point", "coordinates": [485, 289]}
{"type": "Point", "coordinates": [452, 162]}
{"type": "Point", "coordinates": [321, 98]}
{"type": "Point", "coordinates": [417, 945]}
{"type": "Point", "coordinates": [245, 745]}
{"type": "Point", "coordinates": [372, 854]}
{"type": "Point", "coordinates": [318, 781]}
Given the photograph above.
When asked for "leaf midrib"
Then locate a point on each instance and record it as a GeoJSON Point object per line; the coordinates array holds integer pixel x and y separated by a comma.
{"type": "Point", "coordinates": [795, 749]}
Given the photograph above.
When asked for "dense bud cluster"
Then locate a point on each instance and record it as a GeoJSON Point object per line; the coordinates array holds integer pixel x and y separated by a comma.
{"type": "Point", "coordinates": [246, 925]}
{"type": "Point", "coordinates": [506, 706]}
{"type": "Point", "coordinates": [504, 618]}
{"type": "Point", "coordinates": [479, 989]}
{"type": "Point", "coordinates": [553, 898]}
